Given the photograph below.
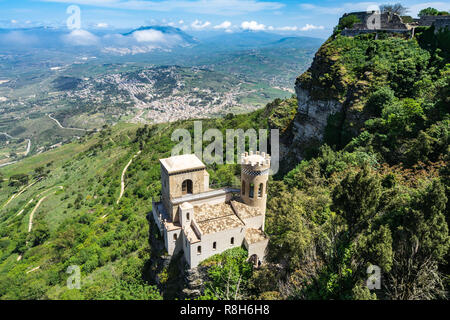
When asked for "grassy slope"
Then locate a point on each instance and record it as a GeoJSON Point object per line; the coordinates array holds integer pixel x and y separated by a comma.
{"type": "Point", "coordinates": [82, 224]}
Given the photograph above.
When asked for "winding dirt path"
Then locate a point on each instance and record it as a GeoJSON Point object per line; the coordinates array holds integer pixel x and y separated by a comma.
{"type": "Point", "coordinates": [23, 209]}
{"type": "Point", "coordinates": [28, 148]}
{"type": "Point", "coordinates": [30, 223]}
{"type": "Point", "coordinates": [59, 125]}
{"type": "Point", "coordinates": [122, 182]}
{"type": "Point", "coordinates": [15, 195]}
{"type": "Point", "coordinates": [7, 135]}
{"type": "Point", "coordinates": [7, 164]}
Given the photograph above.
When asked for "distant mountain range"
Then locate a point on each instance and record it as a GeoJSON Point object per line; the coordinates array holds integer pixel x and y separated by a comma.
{"type": "Point", "coordinates": [258, 39]}
{"type": "Point", "coordinates": [143, 40]}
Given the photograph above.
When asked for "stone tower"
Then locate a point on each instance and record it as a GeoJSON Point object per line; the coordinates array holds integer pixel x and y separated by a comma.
{"type": "Point", "coordinates": [254, 177]}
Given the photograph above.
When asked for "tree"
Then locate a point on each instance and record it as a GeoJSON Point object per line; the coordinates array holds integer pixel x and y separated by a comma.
{"type": "Point", "coordinates": [431, 12]}
{"type": "Point", "coordinates": [421, 242]}
{"type": "Point", "coordinates": [356, 198]}
{"type": "Point", "coordinates": [18, 180]}
{"type": "Point", "coordinates": [348, 21]}
{"type": "Point", "coordinates": [379, 99]}
{"type": "Point", "coordinates": [229, 273]}
{"type": "Point", "coordinates": [393, 8]}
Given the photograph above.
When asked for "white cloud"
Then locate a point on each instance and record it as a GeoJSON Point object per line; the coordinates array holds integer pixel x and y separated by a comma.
{"type": "Point", "coordinates": [198, 25]}
{"type": "Point", "coordinates": [13, 21]}
{"type": "Point", "coordinates": [102, 25]}
{"type": "Point", "coordinates": [294, 28]}
{"type": "Point", "coordinates": [149, 36]}
{"type": "Point", "coordinates": [253, 26]}
{"type": "Point", "coordinates": [81, 38]}
{"type": "Point", "coordinates": [223, 25]}
{"type": "Point", "coordinates": [180, 22]}
{"type": "Point", "coordinates": [141, 41]}
{"type": "Point", "coordinates": [308, 27]}
{"type": "Point", "coordinates": [222, 7]}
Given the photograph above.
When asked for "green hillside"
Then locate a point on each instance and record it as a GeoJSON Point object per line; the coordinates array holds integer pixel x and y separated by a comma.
{"type": "Point", "coordinates": [79, 222]}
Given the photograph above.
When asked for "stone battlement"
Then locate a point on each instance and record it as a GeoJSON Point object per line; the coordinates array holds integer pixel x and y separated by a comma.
{"type": "Point", "coordinates": [390, 22]}
{"type": "Point", "coordinates": [255, 159]}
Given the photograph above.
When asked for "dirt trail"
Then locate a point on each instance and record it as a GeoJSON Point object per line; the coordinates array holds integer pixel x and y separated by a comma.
{"type": "Point", "coordinates": [7, 135]}
{"type": "Point", "coordinates": [30, 223]}
{"type": "Point", "coordinates": [15, 195]}
{"type": "Point", "coordinates": [7, 164]}
{"type": "Point", "coordinates": [28, 203]}
{"type": "Point", "coordinates": [34, 269]}
{"type": "Point", "coordinates": [59, 125]}
{"type": "Point", "coordinates": [122, 183]}
{"type": "Point", "coordinates": [28, 148]}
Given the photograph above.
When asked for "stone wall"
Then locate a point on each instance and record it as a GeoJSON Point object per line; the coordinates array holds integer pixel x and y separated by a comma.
{"type": "Point", "coordinates": [258, 249]}
{"type": "Point", "coordinates": [427, 20]}
{"type": "Point", "coordinates": [222, 240]}
{"type": "Point", "coordinates": [354, 32]}
{"type": "Point", "coordinates": [442, 22]}
{"type": "Point", "coordinates": [369, 21]}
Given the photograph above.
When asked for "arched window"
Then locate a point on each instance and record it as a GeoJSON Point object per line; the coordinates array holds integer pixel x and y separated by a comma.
{"type": "Point", "coordinates": [232, 240]}
{"type": "Point", "coordinates": [214, 245]}
{"type": "Point", "coordinates": [251, 193]}
{"type": "Point", "coordinates": [187, 216]}
{"type": "Point", "coordinates": [243, 188]}
{"type": "Point", "coordinates": [175, 237]}
{"type": "Point", "coordinates": [260, 190]}
{"type": "Point", "coordinates": [199, 249]}
{"type": "Point", "coordinates": [186, 187]}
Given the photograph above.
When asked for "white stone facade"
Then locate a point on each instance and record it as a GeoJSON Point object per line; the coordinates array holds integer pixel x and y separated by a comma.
{"type": "Point", "coordinates": [202, 222]}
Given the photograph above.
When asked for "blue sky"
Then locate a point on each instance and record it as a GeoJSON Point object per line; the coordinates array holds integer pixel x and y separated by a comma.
{"type": "Point", "coordinates": [304, 17]}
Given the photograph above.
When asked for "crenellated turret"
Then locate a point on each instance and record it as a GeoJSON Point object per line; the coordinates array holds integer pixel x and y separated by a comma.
{"type": "Point", "coordinates": [254, 176]}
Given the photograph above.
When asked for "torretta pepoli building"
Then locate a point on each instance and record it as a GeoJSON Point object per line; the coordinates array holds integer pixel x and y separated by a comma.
{"type": "Point", "coordinates": [202, 222]}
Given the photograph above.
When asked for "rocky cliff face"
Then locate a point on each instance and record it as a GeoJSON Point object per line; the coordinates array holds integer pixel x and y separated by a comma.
{"type": "Point", "coordinates": [311, 121]}
{"type": "Point", "coordinates": [332, 86]}
{"type": "Point", "coordinates": [319, 95]}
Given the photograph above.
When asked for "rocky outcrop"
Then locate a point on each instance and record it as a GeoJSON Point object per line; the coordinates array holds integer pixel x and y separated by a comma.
{"type": "Point", "coordinates": [312, 116]}
{"type": "Point", "coordinates": [170, 273]}
{"type": "Point", "coordinates": [194, 282]}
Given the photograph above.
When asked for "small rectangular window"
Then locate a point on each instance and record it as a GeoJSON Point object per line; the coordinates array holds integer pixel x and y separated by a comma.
{"type": "Point", "coordinates": [252, 190]}
{"type": "Point", "coordinates": [199, 249]}
{"type": "Point", "coordinates": [232, 240]}
{"type": "Point", "coordinates": [214, 245]}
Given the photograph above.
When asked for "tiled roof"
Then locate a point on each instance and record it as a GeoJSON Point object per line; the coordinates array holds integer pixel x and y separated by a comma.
{"type": "Point", "coordinates": [212, 218]}
{"type": "Point", "coordinates": [245, 211]}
